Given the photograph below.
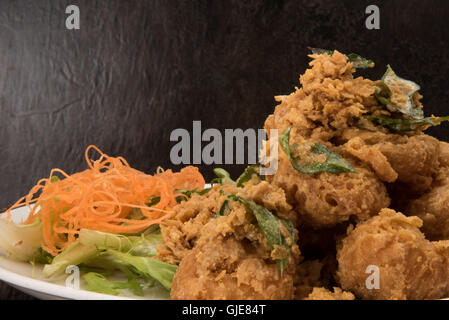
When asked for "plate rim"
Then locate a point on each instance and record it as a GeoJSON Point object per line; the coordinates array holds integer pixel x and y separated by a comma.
{"type": "Point", "coordinates": [52, 289]}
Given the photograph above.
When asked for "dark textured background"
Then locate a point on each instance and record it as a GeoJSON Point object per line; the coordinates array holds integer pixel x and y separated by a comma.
{"type": "Point", "coordinates": [138, 69]}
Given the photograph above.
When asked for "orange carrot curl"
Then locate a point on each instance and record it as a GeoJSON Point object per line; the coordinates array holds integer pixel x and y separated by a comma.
{"type": "Point", "coordinates": [102, 198]}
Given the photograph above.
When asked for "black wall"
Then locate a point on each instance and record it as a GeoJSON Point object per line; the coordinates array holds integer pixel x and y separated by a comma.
{"type": "Point", "coordinates": [138, 69]}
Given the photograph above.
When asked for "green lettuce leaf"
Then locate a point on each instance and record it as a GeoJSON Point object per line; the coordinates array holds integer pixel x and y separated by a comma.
{"type": "Point", "coordinates": [143, 245]}
{"type": "Point", "coordinates": [147, 267]}
{"type": "Point", "coordinates": [75, 254]}
{"type": "Point", "coordinates": [104, 240]}
{"type": "Point", "coordinates": [97, 282]}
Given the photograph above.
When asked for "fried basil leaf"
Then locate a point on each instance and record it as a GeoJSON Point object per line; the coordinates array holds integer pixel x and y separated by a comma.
{"type": "Point", "coordinates": [224, 209]}
{"type": "Point", "coordinates": [270, 226]}
{"type": "Point", "coordinates": [282, 263]}
{"type": "Point", "coordinates": [222, 177]}
{"type": "Point", "coordinates": [357, 61]}
{"type": "Point", "coordinates": [397, 95]}
{"type": "Point", "coordinates": [186, 194]}
{"type": "Point", "coordinates": [247, 175]}
{"type": "Point", "coordinates": [321, 51]}
{"type": "Point", "coordinates": [334, 162]}
{"type": "Point", "coordinates": [404, 125]}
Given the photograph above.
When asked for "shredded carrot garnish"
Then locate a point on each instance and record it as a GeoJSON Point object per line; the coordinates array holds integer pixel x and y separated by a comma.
{"type": "Point", "coordinates": [102, 198]}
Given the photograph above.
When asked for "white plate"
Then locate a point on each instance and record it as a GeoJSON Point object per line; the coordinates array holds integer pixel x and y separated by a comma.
{"type": "Point", "coordinates": [22, 276]}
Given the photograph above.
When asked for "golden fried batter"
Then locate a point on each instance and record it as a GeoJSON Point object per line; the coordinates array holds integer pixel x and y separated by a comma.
{"type": "Point", "coordinates": [410, 160]}
{"type": "Point", "coordinates": [227, 257]}
{"type": "Point", "coordinates": [224, 267]}
{"type": "Point", "coordinates": [181, 232]}
{"type": "Point", "coordinates": [325, 294]}
{"type": "Point", "coordinates": [330, 108]}
{"type": "Point", "coordinates": [327, 103]}
{"type": "Point", "coordinates": [410, 266]}
{"type": "Point", "coordinates": [443, 156]}
{"type": "Point", "coordinates": [326, 199]}
{"type": "Point", "coordinates": [433, 207]}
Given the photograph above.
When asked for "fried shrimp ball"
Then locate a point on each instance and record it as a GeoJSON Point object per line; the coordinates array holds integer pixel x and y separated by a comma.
{"type": "Point", "coordinates": [410, 266]}
{"type": "Point", "coordinates": [411, 161]}
{"type": "Point", "coordinates": [226, 267]}
{"type": "Point", "coordinates": [325, 199]}
{"type": "Point", "coordinates": [181, 232]}
{"type": "Point", "coordinates": [433, 207]}
{"type": "Point", "coordinates": [225, 255]}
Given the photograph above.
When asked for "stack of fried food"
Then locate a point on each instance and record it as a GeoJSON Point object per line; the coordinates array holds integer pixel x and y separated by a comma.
{"type": "Point", "coordinates": [359, 203]}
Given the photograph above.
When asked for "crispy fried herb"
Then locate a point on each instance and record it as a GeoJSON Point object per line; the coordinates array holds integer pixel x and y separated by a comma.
{"type": "Point", "coordinates": [222, 177]}
{"type": "Point", "coordinates": [186, 194]}
{"type": "Point", "coordinates": [247, 175]}
{"type": "Point", "coordinates": [404, 125]}
{"type": "Point", "coordinates": [360, 62]}
{"type": "Point", "coordinates": [270, 226]}
{"type": "Point", "coordinates": [224, 209]}
{"type": "Point", "coordinates": [394, 88]}
{"type": "Point", "coordinates": [321, 51]}
{"type": "Point", "coordinates": [334, 162]}
{"type": "Point", "coordinates": [282, 263]}
{"type": "Point", "coordinates": [357, 61]}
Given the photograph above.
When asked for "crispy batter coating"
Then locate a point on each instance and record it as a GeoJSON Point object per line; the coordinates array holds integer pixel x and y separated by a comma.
{"type": "Point", "coordinates": [181, 232]}
{"type": "Point", "coordinates": [411, 161]}
{"type": "Point", "coordinates": [329, 108]}
{"type": "Point", "coordinates": [433, 207]}
{"type": "Point", "coordinates": [326, 199]}
{"type": "Point", "coordinates": [325, 294]}
{"type": "Point", "coordinates": [443, 156]}
{"type": "Point", "coordinates": [229, 268]}
{"type": "Point", "coordinates": [327, 103]}
{"type": "Point", "coordinates": [226, 257]}
{"type": "Point", "coordinates": [410, 266]}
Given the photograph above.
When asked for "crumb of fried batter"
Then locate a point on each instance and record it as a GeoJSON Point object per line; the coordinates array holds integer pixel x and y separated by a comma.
{"type": "Point", "coordinates": [325, 294]}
